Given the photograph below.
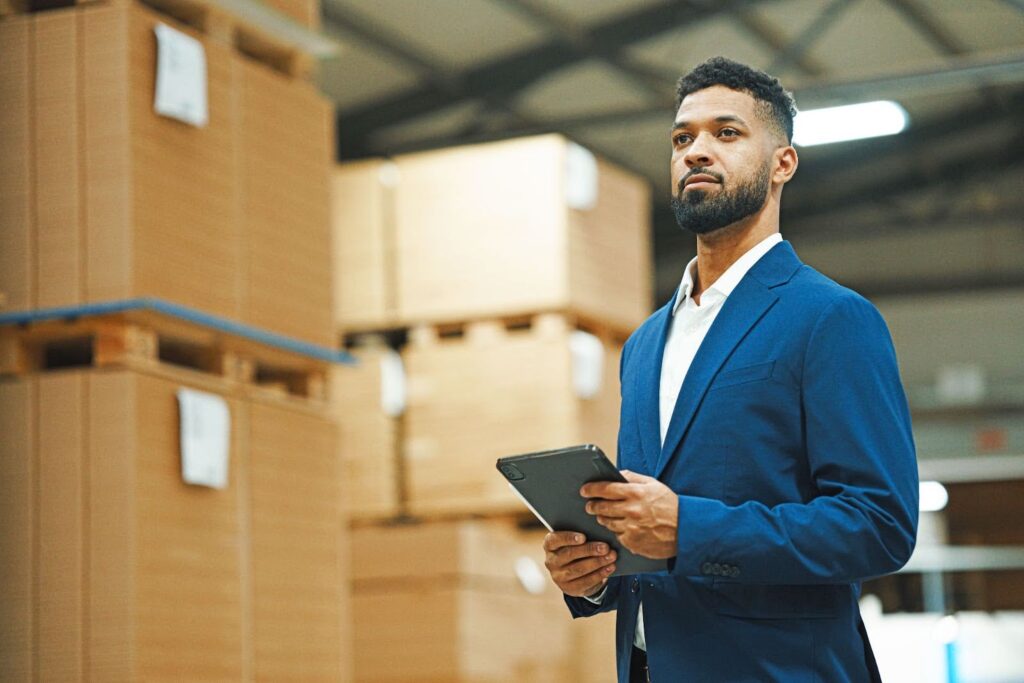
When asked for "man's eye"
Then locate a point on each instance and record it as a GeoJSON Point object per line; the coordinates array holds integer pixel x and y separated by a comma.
{"type": "Point", "coordinates": [681, 139]}
{"type": "Point", "coordinates": [729, 132]}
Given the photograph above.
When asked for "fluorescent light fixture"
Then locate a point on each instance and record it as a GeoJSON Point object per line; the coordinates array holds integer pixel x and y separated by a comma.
{"type": "Point", "coordinates": [933, 496]}
{"type": "Point", "coordinates": [849, 122]}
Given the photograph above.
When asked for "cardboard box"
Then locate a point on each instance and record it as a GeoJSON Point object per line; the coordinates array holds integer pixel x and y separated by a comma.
{"type": "Point", "coordinates": [457, 601]}
{"type": "Point", "coordinates": [115, 569]}
{"type": "Point", "coordinates": [533, 224]}
{"type": "Point", "coordinates": [286, 152]}
{"type": "Point", "coordinates": [368, 436]}
{"type": "Point", "coordinates": [16, 253]}
{"type": "Point", "coordinates": [363, 225]}
{"type": "Point", "coordinates": [494, 392]}
{"type": "Point", "coordinates": [161, 202]}
{"type": "Point", "coordinates": [103, 199]}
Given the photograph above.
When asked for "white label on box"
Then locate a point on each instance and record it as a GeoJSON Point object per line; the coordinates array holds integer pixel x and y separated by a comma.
{"type": "Point", "coordinates": [580, 178]}
{"type": "Point", "coordinates": [392, 384]}
{"type": "Point", "coordinates": [180, 77]}
{"type": "Point", "coordinates": [587, 364]}
{"type": "Point", "coordinates": [205, 438]}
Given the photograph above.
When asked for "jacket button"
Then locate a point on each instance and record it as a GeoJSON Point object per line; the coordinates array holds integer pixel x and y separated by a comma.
{"type": "Point", "coordinates": [635, 587]}
{"type": "Point", "coordinates": [706, 568]}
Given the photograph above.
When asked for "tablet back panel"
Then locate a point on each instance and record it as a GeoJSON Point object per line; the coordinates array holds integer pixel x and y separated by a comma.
{"type": "Point", "coordinates": [550, 481]}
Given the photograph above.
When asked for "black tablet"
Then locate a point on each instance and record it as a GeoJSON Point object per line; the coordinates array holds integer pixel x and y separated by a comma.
{"type": "Point", "coordinates": [549, 483]}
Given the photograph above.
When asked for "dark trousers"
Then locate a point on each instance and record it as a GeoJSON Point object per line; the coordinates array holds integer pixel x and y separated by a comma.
{"type": "Point", "coordinates": [638, 672]}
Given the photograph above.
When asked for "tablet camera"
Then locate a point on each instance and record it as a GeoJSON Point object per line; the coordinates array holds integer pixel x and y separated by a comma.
{"type": "Point", "coordinates": [512, 473]}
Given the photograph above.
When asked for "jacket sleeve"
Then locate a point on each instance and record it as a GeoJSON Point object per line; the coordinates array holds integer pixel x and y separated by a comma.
{"type": "Point", "coordinates": [860, 450]}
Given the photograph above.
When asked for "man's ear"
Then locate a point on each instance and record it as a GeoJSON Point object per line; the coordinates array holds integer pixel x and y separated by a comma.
{"type": "Point", "coordinates": [785, 163]}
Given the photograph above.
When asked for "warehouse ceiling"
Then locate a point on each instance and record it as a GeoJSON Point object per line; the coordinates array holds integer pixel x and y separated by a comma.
{"type": "Point", "coordinates": [416, 75]}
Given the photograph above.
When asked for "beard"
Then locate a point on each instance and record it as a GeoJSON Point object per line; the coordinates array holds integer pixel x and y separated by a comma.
{"type": "Point", "coordinates": [701, 212]}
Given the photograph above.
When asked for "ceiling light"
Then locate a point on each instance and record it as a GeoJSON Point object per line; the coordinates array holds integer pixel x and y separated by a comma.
{"type": "Point", "coordinates": [933, 496]}
{"type": "Point", "coordinates": [849, 122]}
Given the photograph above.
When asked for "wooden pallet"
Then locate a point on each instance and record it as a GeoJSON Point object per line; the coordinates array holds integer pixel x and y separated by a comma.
{"type": "Point", "coordinates": [146, 340]}
{"type": "Point", "coordinates": [544, 322]}
{"type": "Point", "coordinates": [245, 36]}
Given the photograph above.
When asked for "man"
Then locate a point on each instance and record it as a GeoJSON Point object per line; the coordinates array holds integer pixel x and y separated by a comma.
{"type": "Point", "coordinates": [764, 432]}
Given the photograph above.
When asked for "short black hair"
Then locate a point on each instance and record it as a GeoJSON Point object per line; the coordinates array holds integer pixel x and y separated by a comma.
{"type": "Point", "coordinates": [777, 104]}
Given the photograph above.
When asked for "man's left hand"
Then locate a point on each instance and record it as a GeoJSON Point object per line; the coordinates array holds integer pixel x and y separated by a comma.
{"type": "Point", "coordinates": [643, 513]}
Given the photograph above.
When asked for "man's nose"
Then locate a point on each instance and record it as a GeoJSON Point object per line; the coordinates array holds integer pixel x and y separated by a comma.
{"type": "Point", "coordinates": [699, 152]}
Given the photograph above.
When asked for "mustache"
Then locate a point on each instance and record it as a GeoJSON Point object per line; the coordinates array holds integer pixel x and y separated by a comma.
{"type": "Point", "coordinates": [697, 171]}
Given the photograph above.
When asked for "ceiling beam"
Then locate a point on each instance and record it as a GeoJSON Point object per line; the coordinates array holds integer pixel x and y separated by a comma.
{"type": "Point", "coordinates": [928, 26]}
{"type": "Point", "coordinates": [763, 31]}
{"type": "Point", "coordinates": [958, 74]}
{"type": "Point", "coordinates": [504, 78]}
{"type": "Point", "coordinates": [822, 198]}
{"type": "Point", "coordinates": [809, 36]}
{"type": "Point", "coordinates": [558, 23]}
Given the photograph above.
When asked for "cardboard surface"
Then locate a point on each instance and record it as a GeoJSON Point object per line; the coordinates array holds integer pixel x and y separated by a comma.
{"type": "Point", "coordinates": [368, 439]}
{"type": "Point", "coordinates": [188, 239]}
{"type": "Point", "coordinates": [482, 230]}
{"type": "Point", "coordinates": [103, 199]}
{"type": "Point", "coordinates": [61, 526]}
{"type": "Point", "coordinates": [363, 227]}
{"type": "Point", "coordinates": [109, 215]}
{"type": "Point", "coordinates": [56, 115]}
{"type": "Point", "coordinates": [114, 569]}
{"type": "Point", "coordinates": [17, 542]}
{"type": "Point", "coordinates": [495, 393]}
{"type": "Point", "coordinates": [296, 552]}
{"type": "Point", "coordinates": [443, 602]}
{"type": "Point", "coordinates": [286, 151]}
{"type": "Point", "coordinates": [16, 205]}
{"type": "Point", "coordinates": [488, 230]}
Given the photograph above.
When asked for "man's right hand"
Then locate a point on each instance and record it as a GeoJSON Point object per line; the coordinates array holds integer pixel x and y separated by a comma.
{"type": "Point", "coordinates": [577, 567]}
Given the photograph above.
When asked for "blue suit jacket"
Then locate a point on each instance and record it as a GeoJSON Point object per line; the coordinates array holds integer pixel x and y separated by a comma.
{"type": "Point", "coordinates": [791, 451]}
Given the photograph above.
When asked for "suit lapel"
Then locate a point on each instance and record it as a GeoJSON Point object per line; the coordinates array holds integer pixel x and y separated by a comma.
{"type": "Point", "coordinates": [648, 384]}
{"type": "Point", "coordinates": [746, 305]}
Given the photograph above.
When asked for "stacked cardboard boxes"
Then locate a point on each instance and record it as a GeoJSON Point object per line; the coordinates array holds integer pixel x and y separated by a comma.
{"type": "Point", "coordinates": [101, 198]}
{"type": "Point", "coordinates": [517, 269]}
{"type": "Point", "coordinates": [115, 569]}
{"type": "Point", "coordinates": [508, 276]}
{"type": "Point", "coordinates": [112, 567]}
{"type": "Point", "coordinates": [501, 229]}
{"type": "Point", "coordinates": [457, 601]}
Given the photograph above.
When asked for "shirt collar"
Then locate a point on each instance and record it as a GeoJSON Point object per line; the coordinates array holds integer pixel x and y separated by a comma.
{"type": "Point", "coordinates": [731, 277]}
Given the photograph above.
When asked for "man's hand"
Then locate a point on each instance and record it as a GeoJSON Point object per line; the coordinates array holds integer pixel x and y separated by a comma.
{"type": "Point", "coordinates": [578, 568]}
{"type": "Point", "coordinates": [643, 513]}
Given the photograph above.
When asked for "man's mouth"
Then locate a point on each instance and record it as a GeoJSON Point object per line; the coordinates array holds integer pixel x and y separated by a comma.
{"type": "Point", "coordinates": [700, 181]}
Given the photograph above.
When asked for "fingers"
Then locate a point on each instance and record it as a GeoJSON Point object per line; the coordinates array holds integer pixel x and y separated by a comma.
{"type": "Point", "coordinates": [587, 583]}
{"type": "Point", "coordinates": [560, 539]}
{"type": "Point", "coordinates": [577, 568]}
{"type": "Point", "coordinates": [609, 490]}
{"type": "Point", "coordinates": [582, 568]}
{"type": "Point", "coordinates": [634, 478]}
{"type": "Point", "coordinates": [606, 508]}
{"type": "Point", "coordinates": [567, 554]}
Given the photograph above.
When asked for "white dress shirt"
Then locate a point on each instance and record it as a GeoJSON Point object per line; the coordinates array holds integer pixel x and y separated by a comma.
{"type": "Point", "coordinates": [690, 324]}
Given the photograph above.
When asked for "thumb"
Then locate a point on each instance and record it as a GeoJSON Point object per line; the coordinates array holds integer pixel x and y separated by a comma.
{"type": "Point", "coordinates": [634, 478]}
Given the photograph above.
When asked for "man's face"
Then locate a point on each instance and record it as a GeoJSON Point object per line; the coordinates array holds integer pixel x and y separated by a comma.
{"type": "Point", "coordinates": [721, 159]}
